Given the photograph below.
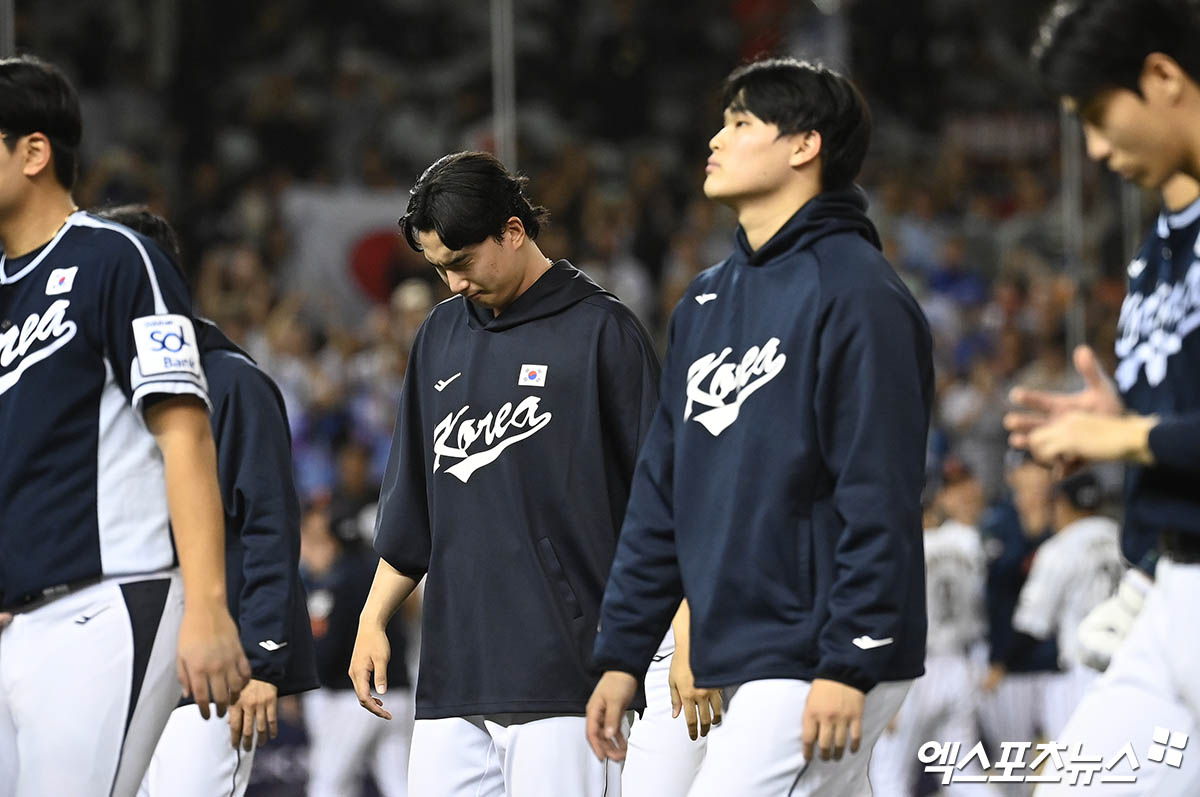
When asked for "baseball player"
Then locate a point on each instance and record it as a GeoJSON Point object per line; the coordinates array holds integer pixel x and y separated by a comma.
{"type": "Point", "coordinates": [780, 484]}
{"type": "Point", "coordinates": [1129, 68]}
{"type": "Point", "coordinates": [941, 705]}
{"type": "Point", "coordinates": [343, 740]}
{"type": "Point", "coordinates": [1013, 709]}
{"type": "Point", "coordinates": [103, 414]}
{"type": "Point", "coordinates": [1072, 573]}
{"type": "Point", "coordinates": [526, 398]}
{"type": "Point", "coordinates": [254, 468]}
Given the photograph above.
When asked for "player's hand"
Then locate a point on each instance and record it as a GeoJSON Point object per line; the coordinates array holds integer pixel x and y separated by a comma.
{"type": "Point", "coordinates": [372, 651]}
{"type": "Point", "coordinates": [1093, 438]}
{"type": "Point", "coordinates": [1099, 396]}
{"type": "Point", "coordinates": [1105, 627]}
{"type": "Point", "coordinates": [995, 674]}
{"type": "Point", "coordinates": [607, 706]}
{"type": "Point", "coordinates": [211, 664]}
{"type": "Point", "coordinates": [255, 708]}
{"type": "Point", "coordinates": [701, 707]}
{"type": "Point", "coordinates": [5, 619]}
{"type": "Point", "coordinates": [832, 716]}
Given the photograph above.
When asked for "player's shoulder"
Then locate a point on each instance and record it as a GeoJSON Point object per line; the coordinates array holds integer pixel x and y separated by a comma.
{"type": "Point", "coordinates": [110, 241]}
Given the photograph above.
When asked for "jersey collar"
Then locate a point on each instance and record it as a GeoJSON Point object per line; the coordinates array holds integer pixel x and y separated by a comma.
{"type": "Point", "coordinates": [6, 279]}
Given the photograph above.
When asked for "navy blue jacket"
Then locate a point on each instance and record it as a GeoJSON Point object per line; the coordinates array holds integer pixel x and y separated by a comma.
{"type": "Point", "coordinates": [262, 515]}
{"type": "Point", "coordinates": [507, 480]}
{"type": "Point", "coordinates": [335, 599]}
{"type": "Point", "coordinates": [1158, 373]}
{"type": "Point", "coordinates": [780, 486]}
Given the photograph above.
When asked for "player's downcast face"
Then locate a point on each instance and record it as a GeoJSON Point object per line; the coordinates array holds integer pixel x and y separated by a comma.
{"type": "Point", "coordinates": [487, 273]}
{"type": "Point", "coordinates": [1132, 136]}
{"type": "Point", "coordinates": [749, 158]}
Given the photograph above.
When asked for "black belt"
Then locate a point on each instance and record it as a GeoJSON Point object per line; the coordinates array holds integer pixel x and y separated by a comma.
{"type": "Point", "coordinates": [36, 600]}
{"type": "Point", "coordinates": [1182, 547]}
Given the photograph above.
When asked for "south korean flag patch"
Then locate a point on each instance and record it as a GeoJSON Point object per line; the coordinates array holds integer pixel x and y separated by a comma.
{"type": "Point", "coordinates": [166, 344]}
{"type": "Point", "coordinates": [532, 376]}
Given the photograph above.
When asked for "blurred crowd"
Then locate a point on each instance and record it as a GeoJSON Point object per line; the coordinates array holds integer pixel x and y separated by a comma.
{"type": "Point", "coordinates": [280, 138]}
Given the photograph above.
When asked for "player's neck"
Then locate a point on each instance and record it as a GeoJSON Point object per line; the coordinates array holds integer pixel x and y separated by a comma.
{"type": "Point", "coordinates": [762, 217]}
{"type": "Point", "coordinates": [533, 265]}
{"type": "Point", "coordinates": [35, 222]}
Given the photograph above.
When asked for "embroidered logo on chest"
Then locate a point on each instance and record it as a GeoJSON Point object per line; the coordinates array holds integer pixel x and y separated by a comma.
{"type": "Point", "coordinates": [455, 436]}
{"type": "Point", "coordinates": [22, 344]}
{"type": "Point", "coordinates": [1152, 328]}
{"type": "Point", "coordinates": [725, 386]}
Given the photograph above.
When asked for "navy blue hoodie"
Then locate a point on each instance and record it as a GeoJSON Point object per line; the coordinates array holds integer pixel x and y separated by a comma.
{"type": "Point", "coordinates": [780, 486]}
{"type": "Point", "coordinates": [506, 484]}
{"type": "Point", "coordinates": [262, 515]}
{"type": "Point", "coordinates": [1158, 373]}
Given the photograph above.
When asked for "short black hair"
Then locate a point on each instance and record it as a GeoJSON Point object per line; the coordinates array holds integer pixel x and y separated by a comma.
{"type": "Point", "coordinates": [467, 197]}
{"type": "Point", "coordinates": [36, 97]}
{"type": "Point", "coordinates": [799, 96]}
{"type": "Point", "coordinates": [1086, 47]}
{"type": "Point", "coordinates": [141, 219]}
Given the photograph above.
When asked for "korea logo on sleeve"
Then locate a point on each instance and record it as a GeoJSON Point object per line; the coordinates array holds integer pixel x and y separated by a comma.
{"type": "Point", "coordinates": [61, 280]}
{"type": "Point", "coordinates": [532, 376]}
{"type": "Point", "coordinates": [166, 344]}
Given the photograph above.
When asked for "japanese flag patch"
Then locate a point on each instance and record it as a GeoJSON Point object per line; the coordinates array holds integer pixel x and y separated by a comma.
{"type": "Point", "coordinates": [166, 344]}
{"type": "Point", "coordinates": [61, 280]}
{"type": "Point", "coordinates": [532, 376]}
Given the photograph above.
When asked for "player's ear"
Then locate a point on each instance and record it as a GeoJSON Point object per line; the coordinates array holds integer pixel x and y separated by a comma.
{"type": "Point", "coordinates": [805, 148]}
{"type": "Point", "coordinates": [514, 231]}
{"type": "Point", "coordinates": [36, 152]}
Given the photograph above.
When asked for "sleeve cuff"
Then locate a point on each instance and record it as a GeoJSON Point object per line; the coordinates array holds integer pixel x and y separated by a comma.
{"type": "Point", "coordinates": [167, 389]}
{"type": "Point", "coordinates": [846, 674]}
{"type": "Point", "coordinates": [1173, 444]}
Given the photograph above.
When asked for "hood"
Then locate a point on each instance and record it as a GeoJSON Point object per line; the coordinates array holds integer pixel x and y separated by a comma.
{"type": "Point", "coordinates": [560, 287]}
{"type": "Point", "coordinates": [209, 338]}
{"type": "Point", "coordinates": [828, 213]}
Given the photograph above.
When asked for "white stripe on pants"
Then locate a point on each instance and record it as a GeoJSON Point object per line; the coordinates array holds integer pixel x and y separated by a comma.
{"type": "Point", "coordinates": [522, 755]}
{"type": "Point", "coordinates": [194, 758]}
{"type": "Point", "coordinates": [757, 750]}
{"type": "Point", "coordinates": [662, 760]}
{"type": "Point", "coordinates": [66, 681]}
{"type": "Point", "coordinates": [344, 739]}
{"type": "Point", "coordinates": [1152, 682]}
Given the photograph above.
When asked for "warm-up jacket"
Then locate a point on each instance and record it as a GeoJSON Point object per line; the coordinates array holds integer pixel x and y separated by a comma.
{"type": "Point", "coordinates": [262, 515]}
{"type": "Point", "coordinates": [1158, 373]}
{"type": "Point", "coordinates": [506, 484]}
{"type": "Point", "coordinates": [780, 485]}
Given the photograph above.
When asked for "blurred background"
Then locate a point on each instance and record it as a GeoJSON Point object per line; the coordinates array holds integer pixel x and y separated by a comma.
{"type": "Point", "coordinates": [281, 136]}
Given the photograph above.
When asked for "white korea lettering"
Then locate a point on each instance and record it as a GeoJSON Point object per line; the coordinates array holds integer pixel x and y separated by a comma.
{"type": "Point", "coordinates": [1152, 328]}
{"type": "Point", "coordinates": [16, 344]}
{"type": "Point", "coordinates": [493, 428]}
{"type": "Point", "coordinates": [757, 367]}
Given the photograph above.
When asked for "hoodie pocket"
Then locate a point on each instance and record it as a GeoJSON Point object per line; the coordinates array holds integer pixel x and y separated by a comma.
{"type": "Point", "coordinates": [804, 577]}
{"type": "Point", "coordinates": [557, 576]}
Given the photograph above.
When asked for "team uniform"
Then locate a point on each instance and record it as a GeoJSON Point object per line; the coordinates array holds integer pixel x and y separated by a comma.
{"type": "Point", "coordinates": [1016, 710]}
{"type": "Point", "coordinates": [780, 490]}
{"type": "Point", "coordinates": [1073, 572]}
{"type": "Point", "coordinates": [343, 740]}
{"type": "Point", "coordinates": [93, 326]}
{"type": "Point", "coordinates": [506, 484]}
{"type": "Point", "coordinates": [1152, 681]}
{"type": "Point", "coordinates": [941, 706]}
{"type": "Point", "coordinates": [262, 550]}
{"type": "Point", "coordinates": [661, 760]}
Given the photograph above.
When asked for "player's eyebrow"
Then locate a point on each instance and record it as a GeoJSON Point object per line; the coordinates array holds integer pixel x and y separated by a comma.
{"type": "Point", "coordinates": [453, 263]}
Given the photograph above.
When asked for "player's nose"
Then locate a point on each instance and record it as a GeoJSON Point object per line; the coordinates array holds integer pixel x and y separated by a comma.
{"type": "Point", "coordinates": [1098, 147]}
